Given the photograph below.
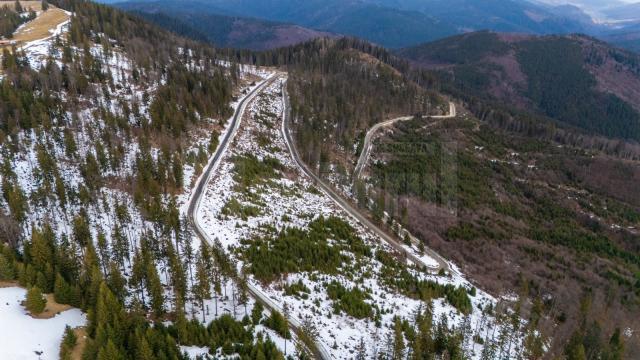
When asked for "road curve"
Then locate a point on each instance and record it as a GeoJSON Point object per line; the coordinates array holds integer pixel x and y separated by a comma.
{"type": "Point", "coordinates": [346, 205]}
{"type": "Point", "coordinates": [319, 350]}
{"type": "Point", "coordinates": [366, 148]}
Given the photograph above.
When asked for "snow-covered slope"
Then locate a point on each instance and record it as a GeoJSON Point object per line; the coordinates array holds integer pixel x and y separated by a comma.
{"type": "Point", "coordinates": [238, 215]}
{"type": "Point", "coordinates": [23, 337]}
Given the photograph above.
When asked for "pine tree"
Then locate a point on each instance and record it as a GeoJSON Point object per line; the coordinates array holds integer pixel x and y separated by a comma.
{"type": "Point", "coordinates": [62, 291]}
{"type": "Point", "coordinates": [103, 251]}
{"type": "Point", "coordinates": [120, 246]}
{"type": "Point", "coordinates": [186, 238]}
{"type": "Point", "coordinates": [35, 302]}
{"type": "Point", "coordinates": [138, 274]}
{"type": "Point", "coordinates": [143, 349]}
{"type": "Point", "coordinates": [81, 231]}
{"type": "Point", "coordinates": [243, 297]}
{"type": "Point", "coordinates": [423, 342]}
{"type": "Point", "coordinates": [69, 341]}
{"type": "Point", "coordinates": [181, 322]}
{"type": "Point", "coordinates": [110, 352]}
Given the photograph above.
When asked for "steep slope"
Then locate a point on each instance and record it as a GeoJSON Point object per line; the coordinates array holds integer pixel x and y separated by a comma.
{"type": "Point", "coordinates": [196, 21]}
{"type": "Point", "coordinates": [525, 215]}
{"type": "Point", "coordinates": [262, 216]}
{"type": "Point", "coordinates": [575, 80]}
{"type": "Point", "coordinates": [105, 126]}
{"type": "Point", "coordinates": [545, 216]}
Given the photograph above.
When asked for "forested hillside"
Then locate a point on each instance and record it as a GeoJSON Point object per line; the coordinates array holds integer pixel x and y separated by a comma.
{"type": "Point", "coordinates": [104, 128]}
{"type": "Point", "coordinates": [109, 123]}
{"type": "Point", "coordinates": [339, 88]}
{"type": "Point", "coordinates": [524, 215]}
{"type": "Point", "coordinates": [529, 193]}
{"type": "Point", "coordinates": [338, 92]}
{"type": "Point", "coordinates": [544, 212]}
{"type": "Point", "coordinates": [576, 80]}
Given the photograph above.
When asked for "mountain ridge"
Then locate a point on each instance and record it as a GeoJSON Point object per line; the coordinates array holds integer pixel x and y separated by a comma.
{"type": "Point", "coordinates": [527, 71]}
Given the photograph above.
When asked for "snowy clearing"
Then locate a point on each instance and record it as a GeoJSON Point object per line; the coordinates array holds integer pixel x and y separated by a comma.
{"type": "Point", "coordinates": [23, 337]}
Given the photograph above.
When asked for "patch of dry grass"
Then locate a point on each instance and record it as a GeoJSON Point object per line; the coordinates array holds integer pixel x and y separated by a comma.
{"type": "Point", "coordinates": [41, 27]}
{"type": "Point", "coordinates": [51, 309]}
{"type": "Point", "coordinates": [6, 284]}
{"type": "Point", "coordinates": [81, 336]}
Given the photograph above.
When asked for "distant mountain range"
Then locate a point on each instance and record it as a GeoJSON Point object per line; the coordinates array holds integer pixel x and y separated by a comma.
{"type": "Point", "coordinates": [202, 22]}
{"type": "Point", "coordinates": [391, 23]}
{"type": "Point", "coordinates": [389, 27]}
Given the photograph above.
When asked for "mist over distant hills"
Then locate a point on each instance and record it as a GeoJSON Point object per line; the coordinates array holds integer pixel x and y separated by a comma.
{"type": "Point", "coordinates": [392, 23]}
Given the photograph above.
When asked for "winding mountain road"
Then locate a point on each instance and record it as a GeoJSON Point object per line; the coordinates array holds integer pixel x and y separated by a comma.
{"type": "Point", "coordinates": [366, 149]}
{"type": "Point", "coordinates": [318, 349]}
{"type": "Point", "coordinates": [350, 209]}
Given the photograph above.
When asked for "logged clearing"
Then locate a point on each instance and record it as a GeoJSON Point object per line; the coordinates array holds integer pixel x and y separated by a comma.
{"type": "Point", "coordinates": [6, 284]}
{"type": "Point", "coordinates": [41, 27]}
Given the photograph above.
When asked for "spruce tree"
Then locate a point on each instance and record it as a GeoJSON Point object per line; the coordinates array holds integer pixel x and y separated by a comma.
{"type": "Point", "coordinates": [62, 291]}
{"type": "Point", "coordinates": [117, 282]}
{"type": "Point", "coordinates": [178, 278]}
{"type": "Point", "coordinates": [137, 274]}
{"type": "Point", "coordinates": [256, 313]}
{"type": "Point", "coordinates": [156, 292]}
{"type": "Point", "coordinates": [202, 289]}
{"type": "Point", "coordinates": [35, 302]}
